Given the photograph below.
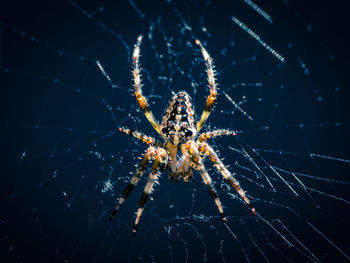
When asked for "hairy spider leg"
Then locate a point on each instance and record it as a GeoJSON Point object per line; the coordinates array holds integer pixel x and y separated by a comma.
{"type": "Point", "coordinates": [208, 182]}
{"type": "Point", "coordinates": [205, 148]}
{"type": "Point", "coordinates": [211, 79]}
{"type": "Point", "coordinates": [134, 180]}
{"type": "Point", "coordinates": [192, 151]}
{"type": "Point", "coordinates": [138, 87]}
{"type": "Point", "coordinates": [207, 135]}
{"type": "Point", "coordinates": [159, 160]}
{"type": "Point", "coordinates": [147, 139]}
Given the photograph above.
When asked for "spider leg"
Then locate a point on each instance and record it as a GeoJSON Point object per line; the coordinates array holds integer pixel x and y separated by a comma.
{"type": "Point", "coordinates": [198, 165]}
{"type": "Point", "coordinates": [208, 182]}
{"type": "Point", "coordinates": [134, 180]}
{"type": "Point", "coordinates": [207, 135]}
{"type": "Point", "coordinates": [211, 79]}
{"type": "Point", "coordinates": [138, 87]}
{"type": "Point", "coordinates": [159, 160]}
{"type": "Point", "coordinates": [147, 139]}
{"type": "Point", "coordinates": [205, 148]}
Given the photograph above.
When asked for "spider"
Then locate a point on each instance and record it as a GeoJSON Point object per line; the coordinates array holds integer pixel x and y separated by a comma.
{"type": "Point", "coordinates": [179, 130]}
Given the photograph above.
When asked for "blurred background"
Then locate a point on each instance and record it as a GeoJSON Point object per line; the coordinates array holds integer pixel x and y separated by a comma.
{"type": "Point", "coordinates": [282, 85]}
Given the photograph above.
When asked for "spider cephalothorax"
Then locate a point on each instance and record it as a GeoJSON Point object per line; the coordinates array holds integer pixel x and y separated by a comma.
{"type": "Point", "coordinates": [179, 130]}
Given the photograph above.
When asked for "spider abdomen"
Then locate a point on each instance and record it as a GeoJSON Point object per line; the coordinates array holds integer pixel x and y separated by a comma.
{"type": "Point", "coordinates": [178, 125]}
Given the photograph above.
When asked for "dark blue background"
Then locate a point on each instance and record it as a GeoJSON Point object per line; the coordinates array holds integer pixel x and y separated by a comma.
{"type": "Point", "coordinates": [53, 108]}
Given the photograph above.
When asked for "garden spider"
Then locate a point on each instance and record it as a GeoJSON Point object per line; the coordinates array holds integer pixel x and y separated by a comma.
{"type": "Point", "coordinates": [179, 130]}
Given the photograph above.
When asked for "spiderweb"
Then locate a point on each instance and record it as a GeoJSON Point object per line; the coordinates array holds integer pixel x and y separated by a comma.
{"type": "Point", "coordinates": [68, 87]}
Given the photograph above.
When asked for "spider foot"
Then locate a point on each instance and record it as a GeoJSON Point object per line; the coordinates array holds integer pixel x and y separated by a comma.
{"type": "Point", "coordinates": [223, 219]}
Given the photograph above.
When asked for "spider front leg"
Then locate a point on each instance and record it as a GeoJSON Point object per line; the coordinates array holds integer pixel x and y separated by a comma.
{"type": "Point", "coordinates": [190, 149]}
{"type": "Point", "coordinates": [211, 79]}
{"type": "Point", "coordinates": [138, 87]}
{"type": "Point", "coordinates": [134, 180]}
{"type": "Point", "coordinates": [205, 148]}
{"type": "Point", "coordinates": [160, 160]}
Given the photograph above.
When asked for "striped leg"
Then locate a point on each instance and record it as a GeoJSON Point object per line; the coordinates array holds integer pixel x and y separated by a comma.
{"type": "Point", "coordinates": [207, 135]}
{"type": "Point", "coordinates": [138, 87]}
{"type": "Point", "coordinates": [149, 140]}
{"type": "Point", "coordinates": [208, 182]}
{"type": "Point", "coordinates": [159, 160]}
{"type": "Point", "coordinates": [134, 180]}
{"type": "Point", "coordinates": [193, 152]}
{"type": "Point", "coordinates": [211, 79]}
{"type": "Point", "coordinates": [205, 148]}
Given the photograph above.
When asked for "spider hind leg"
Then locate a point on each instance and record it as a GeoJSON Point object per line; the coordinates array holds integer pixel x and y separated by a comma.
{"type": "Point", "coordinates": [159, 159]}
{"type": "Point", "coordinates": [191, 150]}
{"type": "Point", "coordinates": [134, 180]}
{"type": "Point", "coordinates": [212, 190]}
{"type": "Point", "coordinates": [205, 148]}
